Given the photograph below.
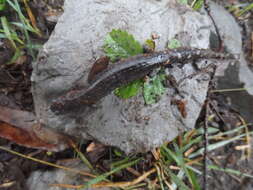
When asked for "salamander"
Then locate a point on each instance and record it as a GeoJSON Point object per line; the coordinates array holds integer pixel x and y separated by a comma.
{"type": "Point", "coordinates": [126, 71]}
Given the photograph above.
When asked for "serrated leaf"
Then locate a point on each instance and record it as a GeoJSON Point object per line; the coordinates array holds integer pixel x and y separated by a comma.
{"type": "Point", "coordinates": [153, 88]}
{"type": "Point", "coordinates": [119, 44]}
{"type": "Point", "coordinates": [129, 90]}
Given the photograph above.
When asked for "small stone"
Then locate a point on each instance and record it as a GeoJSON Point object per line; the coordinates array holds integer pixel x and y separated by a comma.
{"type": "Point", "coordinates": [69, 53]}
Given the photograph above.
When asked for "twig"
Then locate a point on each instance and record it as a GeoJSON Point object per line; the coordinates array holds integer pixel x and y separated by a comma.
{"type": "Point", "coordinates": [110, 184]}
{"type": "Point", "coordinates": [208, 11]}
{"type": "Point", "coordinates": [47, 163]}
{"type": "Point", "coordinates": [214, 108]}
{"type": "Point", "coordinates": [207, 110]}
{"type": "Point", "coordinates": [205, 145]}
{"type": "Point", "coordinates": [251, 44]}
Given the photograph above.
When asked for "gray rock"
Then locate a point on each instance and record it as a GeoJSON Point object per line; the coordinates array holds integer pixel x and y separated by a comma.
{"type": "Point", "coordinates": [67, 57]}
{"type": "Point", "coordinates": [41, 180]}
{"type": "Point", "coordinates": [234, 75]}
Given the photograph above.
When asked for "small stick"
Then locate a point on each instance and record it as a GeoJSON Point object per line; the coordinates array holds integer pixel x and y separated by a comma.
{"type": "Point", "coordinates": [208, 11]}
{"type": "Point", "coordinates": [205, 147]}
{"type": "Point", "coordinates": [205, 172]}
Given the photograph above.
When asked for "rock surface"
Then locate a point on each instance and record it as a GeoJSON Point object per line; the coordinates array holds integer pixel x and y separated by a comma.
{"type": "Point", "coordinates": [234, 75]}
{"type": "Point", "coordinates": [67, 57]}
{"type": "Point", "coordinates": [41, 180]}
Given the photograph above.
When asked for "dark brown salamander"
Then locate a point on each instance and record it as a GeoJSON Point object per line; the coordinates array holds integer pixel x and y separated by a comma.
{"type": "Point", "coordinates": [126, 71]}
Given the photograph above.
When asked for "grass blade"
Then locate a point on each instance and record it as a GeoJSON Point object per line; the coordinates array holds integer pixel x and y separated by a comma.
{"type": "Point", "coordinates": [24, 22]}
{"type": "Point", "coordinates": [246, 9]}
{"type": "Point", "coordinates": [7, 31]}
{"type": "Point", "coordinates": [2, 4]}
{"type": "Point", "coordinates": [217, 145]}
{"type": "Point", "coordinates": [228, 170]}
{"type": "Point", "coordinates": [181, 163]}
{"type": "Point", "coordinates": [179, 182]}
{"type": "Point", "coordinates": [105, 175]}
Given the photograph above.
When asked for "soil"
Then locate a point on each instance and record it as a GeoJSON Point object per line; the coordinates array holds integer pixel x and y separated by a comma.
{"type": "Point", "coordinates": [15, 92]}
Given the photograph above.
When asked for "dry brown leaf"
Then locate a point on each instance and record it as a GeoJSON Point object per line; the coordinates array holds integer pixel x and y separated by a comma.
{"type": "Point", "coordinates": [95, 151]}
{"type": "Point", "coordinates": [98, 66]}
{"type": "Point", "coordinates": [22, 137]}
{"type": "Point", "coordinates": [181, 105]}
{"type": "Point", "coordinates": [31, 16]}
{"type": "Point", "coordinates": [22, 128]}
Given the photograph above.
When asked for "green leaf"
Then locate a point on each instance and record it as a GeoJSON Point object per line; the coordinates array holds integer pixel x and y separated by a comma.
{"type": "Point", "coordinates": [129, 90]}
{"type": "Point", "coordinates": [150, 44]}
{"type": "Point", "coordinates": [176, 179]}
{"type": "Point", "coordinates": [120, 162]}
{"type": "Point", "coordinates": [119, 44]}
{"type": "Point", "coordinates": [34, 46]}
{"type": "Point", "coordinates": [194, 180]}
{"type": "Point", "coordinates": [245, 9]}
{"type": "Point", "coordinates": [7, 30]}
{"type": "Point", "coordinates": [2, 4]}
{"type": "Point", "coordinates": [174, 43]}
{"type": "Point", "coordinates": [25, 27]}
{"type": "Point", "coordinates": [153, 88]}
{"type": "Point", "coordinates": [217, 145]}
{"type": "Point", "coordinates": [26, 23]}
{"type": "Point", "coordinates": [117, 152]}
{"type": "Point", "coordinates": [185, 2]}
{"type": "Point", "coordinates": [49, 153]}
{"type": "Point", "coordinates": [16, 55]}
{"type": "Point", "coordinates": [197, 4]}
{"type": "Point", "coordinates": [229, 170]}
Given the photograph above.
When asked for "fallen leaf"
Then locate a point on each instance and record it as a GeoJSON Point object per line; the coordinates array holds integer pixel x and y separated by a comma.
{"type": "Point", "coordinates": [98, 66]}
{"type": "Point", "coordinates": [20, 136]}
{"type": "Point", "coordinates": [95, 151]}
{"type": "Point", "coordinates": [22, 128]}
{"type": "Point", "coordinates": [21, 119]}
{"type": "Point", "coordinates": [181, 105]}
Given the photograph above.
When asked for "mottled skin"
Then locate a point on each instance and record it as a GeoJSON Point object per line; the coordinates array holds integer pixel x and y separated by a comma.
{"type": "Point", "coordinates": [126, 71]}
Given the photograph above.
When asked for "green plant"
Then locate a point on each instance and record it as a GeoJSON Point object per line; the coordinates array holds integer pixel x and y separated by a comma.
{"type": "Point", "coordinates": [17, 32]}
{"type": "Point", "coordinates": [127, 163]}
{"type": "Point", "coordinates": [2, 4]}
{"type": "Point", "coordinates": [176, 155]}
{"type": "Point", "coordinates": [119, 44]}
{"type": "Point", "coordinates": [195, 4]}
{"type": "Point", "coordinates": [245, 9]}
